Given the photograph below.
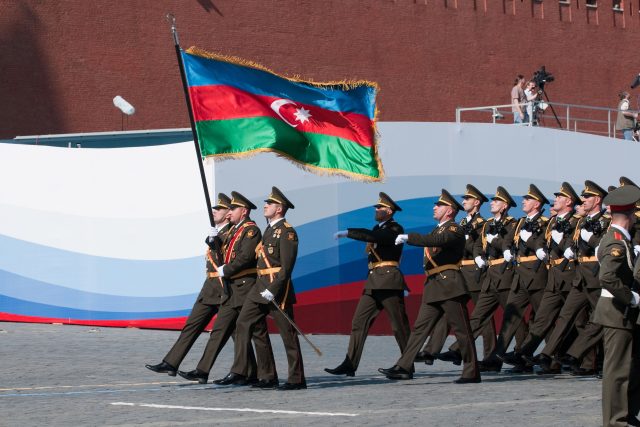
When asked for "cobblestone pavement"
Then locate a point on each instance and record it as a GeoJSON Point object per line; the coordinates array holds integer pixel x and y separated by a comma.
{"type": "Point", "coordinates": [57, 375]}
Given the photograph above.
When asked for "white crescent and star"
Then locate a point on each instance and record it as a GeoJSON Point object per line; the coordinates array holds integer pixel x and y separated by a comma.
{"type": "Point", "coordinates": [302, 115]}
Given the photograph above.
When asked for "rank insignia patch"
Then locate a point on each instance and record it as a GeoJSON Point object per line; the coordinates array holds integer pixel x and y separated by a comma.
{"type": "Point", "coordinates": [616, 252]}
{"type": "Point", "coordinates": [452, 228]}
{"type": "Point", "coordinates": [250, 233]}
{"type": "Point", "coordinates": [291, 236]}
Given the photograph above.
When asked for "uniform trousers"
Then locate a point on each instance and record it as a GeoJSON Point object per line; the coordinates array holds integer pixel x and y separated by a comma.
{"type": "Point", "coordinates": [200, 316]}
{"type": "Point", "coordinates": [251, 316]}
{"type": "Point", "coordinates": [223, 329]}
{"type": "Point", "coordinates": [457, 318]}
{"type": "Point", "coordinates": [370, 304]}
{"type": "Point", "coordinates": [620, 391]}
{"type": "Point", "coordinates": [517, 303]}
{"type": "Point", "coordinates": [546, 315]}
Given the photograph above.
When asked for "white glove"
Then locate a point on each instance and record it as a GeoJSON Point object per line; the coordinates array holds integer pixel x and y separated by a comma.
{"type": "Point", "coordinates": [557, 236]}
{"type": "Point", "coordinates": [490, 237]}
{"type": "Point", "coordinates": [635, 299]}
{"type": "Point", "coordinates": [524, 235]}
{"type": "Point", "coordinates": [479, 261]}
{"type": "Point", "coordinates": [507, 256]}
{"type": "Point", "coordinates": [213, 232]}
{"type": "Point", "coordinates": [636, 250]}
{"type": "Point", "coordinates": [466, 237]}
{"type": "Point", "coordinates": [586, 235]}
{"type": "Point", "coordinates": [406, 293]}
{"type": "Point", "coordinates": [341, 233]}
{"type": "Point", "coordinates": [402, 238]}
{"type": "Point", "coordinates": [221, 270]}
{"type": "Point", "coordinates": [266, 294]}
{"type": "Point", "coordinates": [541, 254]}
{"type": "Point", "coordinates": [568, 254]}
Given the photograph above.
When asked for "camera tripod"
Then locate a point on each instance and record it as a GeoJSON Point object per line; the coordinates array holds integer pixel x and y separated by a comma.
{"type": "Point", "coordinates": [553, 110]}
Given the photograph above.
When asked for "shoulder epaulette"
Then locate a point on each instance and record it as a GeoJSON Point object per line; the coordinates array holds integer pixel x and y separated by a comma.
{"type": "Point", "coordinates": [607, 216]}
{"type": "Point", "coordinates": [543, 218]}
{"type": "Point", "coordinates": [479, 219]}
{"type": "Point", "coordinates": [576, 216]}
{"type": "Point", "coordinates": [286, 224]}
{"type": "Point", "coordinates": [637, 214]}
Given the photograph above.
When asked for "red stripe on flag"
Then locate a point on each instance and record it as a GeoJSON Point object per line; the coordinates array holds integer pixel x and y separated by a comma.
{"type": "Point", "coordinates": [226, 102]}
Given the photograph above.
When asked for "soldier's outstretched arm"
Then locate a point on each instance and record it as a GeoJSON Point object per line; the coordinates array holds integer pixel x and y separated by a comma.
{"type": "Point", "coordinates": [384, 236]}
{"type": "Point", "coordinates": [446, 238]}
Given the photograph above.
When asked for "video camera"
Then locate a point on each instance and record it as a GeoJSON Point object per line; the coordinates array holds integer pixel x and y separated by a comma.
{"type": "Point", "coordinates": [541, 77]}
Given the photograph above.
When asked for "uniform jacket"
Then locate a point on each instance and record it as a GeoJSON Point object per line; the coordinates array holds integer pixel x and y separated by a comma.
{"type": "Point", "coordinates": [587, 272]}
{"type": "Point", "coordinates": [616, 276]}
{"type": "Point", "coordinates": [240, 256]}
{"type": "Point", "coordinates": [279, 249]}
{"type": "Point", "coordinates": [443, 246]}
{"type": "Point", "coordinates": [498, 276]}
{"type": "Point", "coordinates": [212, 291]}
{"type": "Point", "coordinates": [473, 276]}
{"type": "Point", "coordinates": [381, 247]}
{"type": "Point", "coordinates": [530, 274]}
{"type": "Point", "coordinates": [561, 271]}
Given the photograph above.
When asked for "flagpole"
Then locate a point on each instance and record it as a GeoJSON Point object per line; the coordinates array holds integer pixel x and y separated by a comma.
{"type": "Point", "coordinates": [185, 86]}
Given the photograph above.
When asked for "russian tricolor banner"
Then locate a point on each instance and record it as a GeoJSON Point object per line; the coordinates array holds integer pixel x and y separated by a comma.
{"type": "Point", "coordinates": [242, 108]}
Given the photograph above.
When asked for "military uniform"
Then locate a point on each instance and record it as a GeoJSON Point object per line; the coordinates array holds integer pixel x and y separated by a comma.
{"type": "Point", "coordinates": [277, 255]}
{"type": "Point", "coordinates": [616, 310]}
{"type": "Point", "coordinates": [239, 273]}
{"type": "Point", "coordinates": [585, 289]}
{"type": "Point", "coordinates": [473, 278]}
{"type": "Point", "coordinates": [383, 290]}
{"type": "Point", "coordinates": [498, 278]}
{"type": "Point", "coordinates": [558, 238]}
{"type": "Point", "coordinates": [444, 294]}
{"type": "Point", "coordinates": [530, 276]}
{"type": "Point", "coordinates": [209, 298]}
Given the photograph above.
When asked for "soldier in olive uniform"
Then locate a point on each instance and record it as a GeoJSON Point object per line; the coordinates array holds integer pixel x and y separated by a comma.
{"type": "Point", "coordinates": [208, 301]}
{"type": "Point", "coordinates": [277, 255]}
{"type": "Point", "coordinates": [238, 270]}
{"type": "Point", "coordinates": [488, 254]}
{"type": "Point", "coordinates": [585, 289]}
{"type": "Point", "coordinates": [617, 310]}
{"type": "Point", "coordinates": [526, 244]}
{"type": "Point", "coordinates": [444, 291]}
{"type": "Point", "coordinates": [384, 289]}
{"type": "Point", "coordinates": [558, 238]}
{"type": "Point", "coordinates": [473, 277]}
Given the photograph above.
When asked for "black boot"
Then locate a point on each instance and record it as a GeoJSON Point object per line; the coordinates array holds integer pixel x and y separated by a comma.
{"type": "Point", "coordinates": [345, 368]}
{"type": "Point", "coordinates": [195, 375]}
{"type": "Point", "coordinates": [162, 368]}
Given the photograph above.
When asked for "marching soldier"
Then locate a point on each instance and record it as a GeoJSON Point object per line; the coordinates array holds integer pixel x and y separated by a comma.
{"type": "Point", "coordinates": [208, 301]}
{"type": "Point", "coordinates": [617, 311]}
{"type": "Point", "coordinates": [585, 289]}
{"type": "Point", "coordinates": [530, 278]}
{"type": "Point", "coordinates": [273, 294]}
{"type": "Point", "coordinates": [384, 289]}
{"type": "Point", "coordinates": [238, 271]}
{"type": "Point", "coordinates": [558, 238]}
{"type": "Point", "coordinates": [488, 254]}
{"type": "Point", "coordinates": [473, 277]}
{"type": "Point", "coordinates": [444, 291]}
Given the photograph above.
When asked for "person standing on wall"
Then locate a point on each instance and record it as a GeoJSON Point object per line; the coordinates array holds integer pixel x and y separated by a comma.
{"type": "Point", "coordinates": [385, 285]}
{"type": "Point", "coordinates": [626, 120]}
{"type": "Point", "coordinates": [518, 100]}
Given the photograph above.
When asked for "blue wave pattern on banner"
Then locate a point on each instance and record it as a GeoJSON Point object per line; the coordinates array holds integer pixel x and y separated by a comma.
{"type": "Point", "coordinates": [315, 269]}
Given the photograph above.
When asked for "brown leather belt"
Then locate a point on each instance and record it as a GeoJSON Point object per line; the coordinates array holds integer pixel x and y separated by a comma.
{"type": "Point", "coordinates": [496, 261]}
{"type": "Point", "coordinates": [587, 259]}
{"type": "Point", "coordinates": [467, 262]}
{"type": "Point", "coordinates": [559, 261]}
{"type": "Point", "coordinates": [239, 274]}
{"type": "Point", "coordinates": [373, 265]}
{"type": "Point", "coordinates": [526, 258]}
{"type": "Point", "coordinates": [267, 271]}
{"type": "Point", "coordinates": [442, 268]}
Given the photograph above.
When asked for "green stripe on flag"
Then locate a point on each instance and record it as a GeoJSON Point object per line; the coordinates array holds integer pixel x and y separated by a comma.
{"type": "Point", "coordinates": [238, 136]}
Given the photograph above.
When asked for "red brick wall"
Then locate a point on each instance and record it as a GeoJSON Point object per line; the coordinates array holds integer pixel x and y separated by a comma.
{"type": "Point", "coordinates": [63, 61]}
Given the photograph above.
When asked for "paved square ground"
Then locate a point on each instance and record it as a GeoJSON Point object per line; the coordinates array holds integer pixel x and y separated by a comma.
{"type": "Point", "coordinates": [55, 375]}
